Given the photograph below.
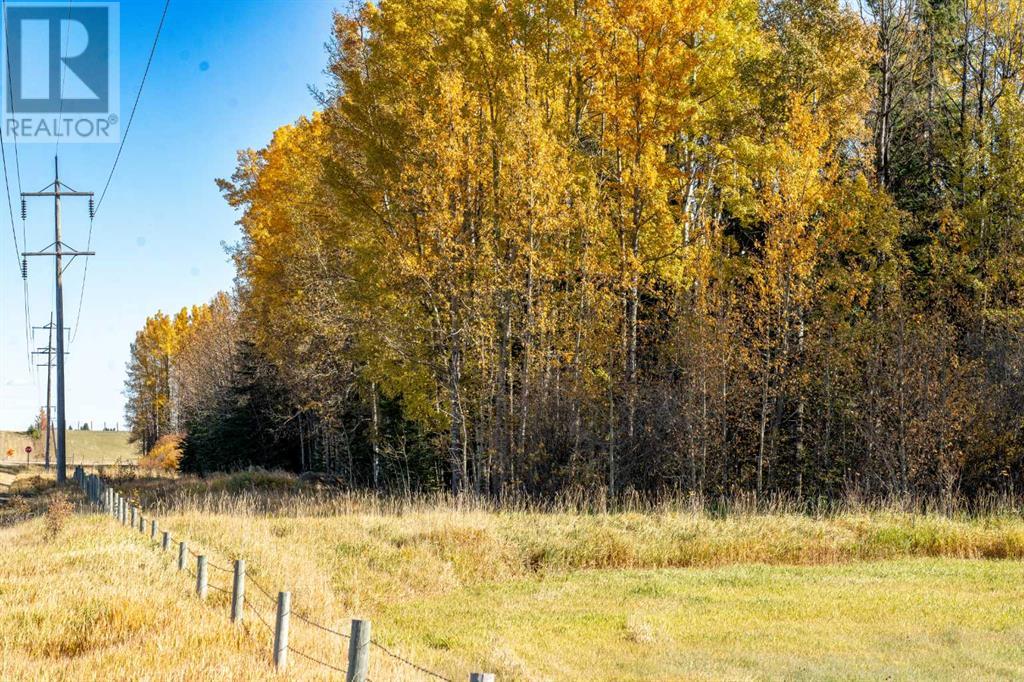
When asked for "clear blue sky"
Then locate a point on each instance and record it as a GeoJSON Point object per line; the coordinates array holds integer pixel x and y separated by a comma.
{"type": "Point", "coordinates": [225, 75]}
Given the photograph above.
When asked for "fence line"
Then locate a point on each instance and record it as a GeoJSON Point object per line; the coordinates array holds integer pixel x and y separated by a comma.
{"type": "Point", "coordinates": [360, 642]}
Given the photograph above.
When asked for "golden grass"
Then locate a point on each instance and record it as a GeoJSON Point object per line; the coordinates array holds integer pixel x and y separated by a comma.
{"type": "Point", "coordinates": [667, 595]}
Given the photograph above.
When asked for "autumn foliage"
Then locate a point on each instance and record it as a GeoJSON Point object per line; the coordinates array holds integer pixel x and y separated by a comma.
{"type": "Point", "coordinates": [164, 455]}
{"type": "Point", "coordinates": [661, 245]}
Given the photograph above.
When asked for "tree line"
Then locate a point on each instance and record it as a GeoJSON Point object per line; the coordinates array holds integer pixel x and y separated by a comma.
{"type": "Point", "coordinates": [708, 246]}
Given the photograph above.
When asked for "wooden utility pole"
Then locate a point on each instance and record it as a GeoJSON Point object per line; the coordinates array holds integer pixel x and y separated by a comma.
{"type": "Point", "coordinates": [48, 351]}
{"type": "Point", "coordinates": [57, 189]}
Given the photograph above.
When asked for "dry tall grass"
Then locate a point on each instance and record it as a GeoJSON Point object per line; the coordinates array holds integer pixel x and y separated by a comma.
{"type": "Point", "coordinates": [260, 491]}
{"type": "Point", "coordinates": [524, 536]}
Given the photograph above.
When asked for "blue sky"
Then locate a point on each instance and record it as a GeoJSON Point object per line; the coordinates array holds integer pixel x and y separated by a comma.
{"type": "Point", "coordinates": [225, 75]}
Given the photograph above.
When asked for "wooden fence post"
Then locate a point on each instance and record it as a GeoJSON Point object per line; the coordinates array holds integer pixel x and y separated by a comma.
{"type": "Point", "coordinates": [284, 612]}
{"type": "Point", "coordinates": [142, 522]}
{"type": "Point", "coordinates": [182, 551]}
{"type": "Point", "coordinates": [166, 543]}
{"type": "Point", "coordinates": [358, 652]}
{"type": "Point", "coordinates": [481, 677]}
{"type": "Point", "coordinates": [238, 592]}
{"type": "Point", "coordinates": [133, 517]}
{"type": "Point", "coordinates": [123, 511]}
{"type": "Point", "coordinates": [201, 576]}
{"type": "Point", "coordinates": [152, 529]}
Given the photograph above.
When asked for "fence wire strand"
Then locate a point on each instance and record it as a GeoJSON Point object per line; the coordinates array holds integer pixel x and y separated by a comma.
{"type": "Point", "coordinates": [259, 587]}
{"type": "Point", "coordinates": [259, 615]}
{"type": "Point", "coordinates": [317, 660]}
{"type": "Point", "coordinates": [306, 620]}
{"type": "Point", "coordinates": [407, 661]}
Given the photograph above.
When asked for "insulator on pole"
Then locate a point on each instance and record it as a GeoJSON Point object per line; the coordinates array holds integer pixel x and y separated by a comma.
{"type": "Point", "coordinates": [92, 209]}
{"type": "Point", "coordinates": [24, 268]}
{"type": "Point", "coordinates": [24, 209]}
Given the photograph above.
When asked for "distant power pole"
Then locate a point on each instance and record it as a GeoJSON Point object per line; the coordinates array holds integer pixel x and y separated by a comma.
{"type": "Point", "coordinates": [48, 351]}
{"type": "Point", "coordinates": [57, 189]}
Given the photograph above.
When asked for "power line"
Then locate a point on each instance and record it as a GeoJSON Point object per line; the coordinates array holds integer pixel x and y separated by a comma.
{"type": "Point", "coordinates": [81, 291]}
{"type": "Point", "coordinates": [110, 176]}
{"type": "Point", "coordinates": [27, 308]}
{"type": "Point", "coordinates": [63, 73]}
{"type": "Point", "coordinates": [138, 95]}
{"type": "Point", "coordinates": [17, 250]}
{"type": "Point", "coordinates": [10, 98]}
{"type": "Point", "coordinates": [10, 209]}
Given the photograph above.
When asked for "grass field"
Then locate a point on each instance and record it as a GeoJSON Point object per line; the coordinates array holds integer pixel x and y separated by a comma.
{"type": "Point", "coordinates": [91, 447]}
{"type": "Point", "coordinates": [528, 596]}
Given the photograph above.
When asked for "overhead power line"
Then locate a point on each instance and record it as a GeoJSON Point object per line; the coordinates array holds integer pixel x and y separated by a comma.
{"type": "Point", "coordinates": [10, 97]}
{"type": "Point", "coordinates": [63, 73]}
{"type": "Point", "coordinates": [10, 208]}
{"type": "Point", "coordinates": [138, 96]}
{"type": "Point", "coordinates": [120, 148]}
{"type": "Point", "coordinates": [20, 264]}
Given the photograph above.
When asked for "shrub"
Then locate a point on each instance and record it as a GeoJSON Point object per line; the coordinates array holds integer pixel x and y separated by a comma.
{"type": "Point", "coordinates": [57, 513]}
{"type": "Point", "coordinates": [165, 455]}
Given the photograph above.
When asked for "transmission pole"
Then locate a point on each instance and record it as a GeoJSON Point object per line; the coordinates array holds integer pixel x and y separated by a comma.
{"type": "Point", "coordinates": [48, 351]}
{"type": "Point", "coordinates": [57, 189]}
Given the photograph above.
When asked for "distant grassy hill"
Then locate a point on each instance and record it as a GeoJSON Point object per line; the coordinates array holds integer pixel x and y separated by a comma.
{"type": "Point", "coordinates": [91, 447]}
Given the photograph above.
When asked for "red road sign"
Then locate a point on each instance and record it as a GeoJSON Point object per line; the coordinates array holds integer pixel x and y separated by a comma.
{"type": "Point", "coordinates": [28, 449]}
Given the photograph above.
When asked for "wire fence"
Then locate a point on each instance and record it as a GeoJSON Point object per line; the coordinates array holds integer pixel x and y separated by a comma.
{"type": "Point", "coordinates": [359, 639]}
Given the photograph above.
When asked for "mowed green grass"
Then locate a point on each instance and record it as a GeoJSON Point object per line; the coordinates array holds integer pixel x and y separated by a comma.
{"type": "Point", "coordinates": [527, 595]}
{"type": "Point", "coordinates": [89, 447]}
{"type": "Point", "coordinates": [908, 619]}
